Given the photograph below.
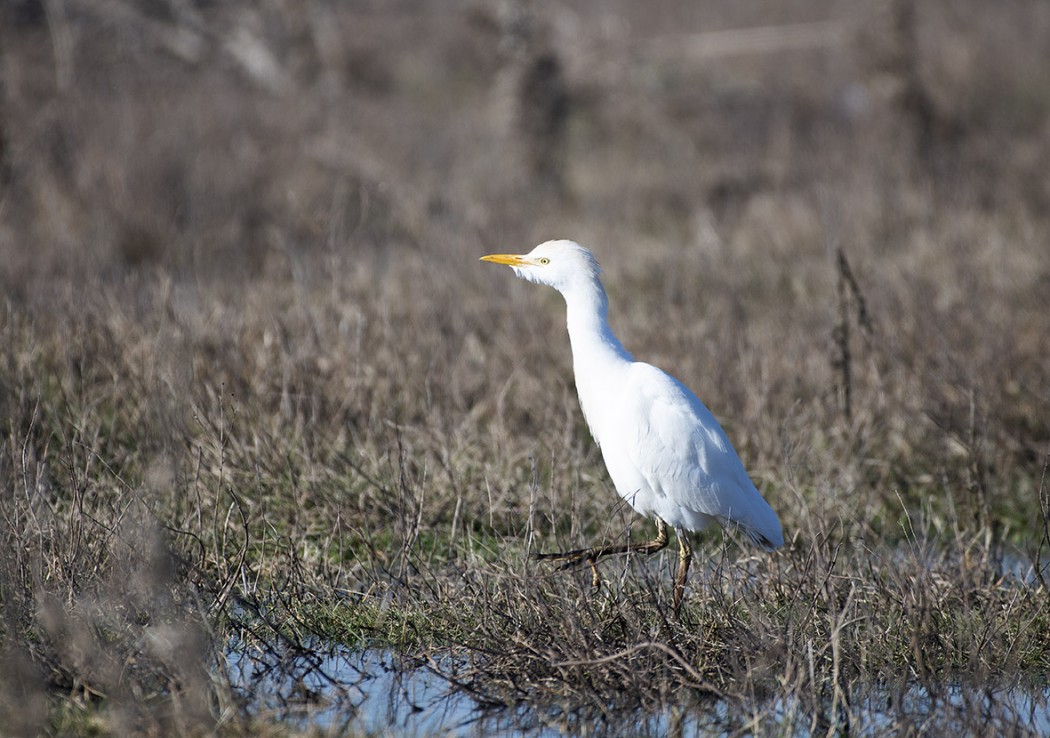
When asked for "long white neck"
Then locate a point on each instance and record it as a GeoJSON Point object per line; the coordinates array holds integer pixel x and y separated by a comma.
{"type": "Point", "coordinates": [598, 358]}
{"type": "Point", "coordinates": [587, 316]}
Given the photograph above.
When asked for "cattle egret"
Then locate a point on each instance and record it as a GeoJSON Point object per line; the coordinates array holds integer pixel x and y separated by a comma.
{"type": "Point", "coordinates": [667, 455]}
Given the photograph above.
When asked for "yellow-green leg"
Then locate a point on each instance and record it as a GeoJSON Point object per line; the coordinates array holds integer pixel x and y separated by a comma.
{"type": "Point", "coordinates": [570, 559]}
{"type": "Point", "coordinates": [685, 557]}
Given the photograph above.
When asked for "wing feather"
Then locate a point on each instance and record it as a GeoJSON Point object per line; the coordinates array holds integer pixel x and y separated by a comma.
{"type": "Point", "coordinates": [678, 447]}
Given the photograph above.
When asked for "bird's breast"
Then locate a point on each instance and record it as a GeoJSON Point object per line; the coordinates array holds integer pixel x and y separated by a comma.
{"type": "Point", "coordinates": [600, 396]}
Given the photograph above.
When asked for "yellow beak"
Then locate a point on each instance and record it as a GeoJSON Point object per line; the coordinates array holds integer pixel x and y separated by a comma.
{"type": "Point", "coordinates": [508, 259]}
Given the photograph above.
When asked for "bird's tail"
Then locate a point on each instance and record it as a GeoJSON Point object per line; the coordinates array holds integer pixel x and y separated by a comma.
{"type": "Point", "coordinates": [768, 536]}
{"type": "Point", "coordinates": [762, 541]}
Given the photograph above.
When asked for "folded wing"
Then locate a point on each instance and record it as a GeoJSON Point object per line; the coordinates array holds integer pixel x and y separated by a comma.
{"type": "Point", "coordinates": [677, 446]}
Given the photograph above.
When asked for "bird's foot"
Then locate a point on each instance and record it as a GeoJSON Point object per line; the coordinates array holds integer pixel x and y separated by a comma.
{"type": "Point", "coordinates": [590, 556]}
{"type": "Point", "coordinates": [571, 559]}
{"type": "Point", "coordinates": [568, 559]}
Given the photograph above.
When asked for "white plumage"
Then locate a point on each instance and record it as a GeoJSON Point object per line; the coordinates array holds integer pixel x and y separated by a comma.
{"type": "Point", "coordinates": [667, 455]}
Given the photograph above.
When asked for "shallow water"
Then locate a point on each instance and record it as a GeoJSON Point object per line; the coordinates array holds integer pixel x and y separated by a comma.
{"type": "Point", "coordinates": [368, 690]}
{"type": "Point", "coordinates": [380, 692]}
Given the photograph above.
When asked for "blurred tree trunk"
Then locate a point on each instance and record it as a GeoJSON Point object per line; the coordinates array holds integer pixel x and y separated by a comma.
{"type": "Point", "coordinates": [532, 90]}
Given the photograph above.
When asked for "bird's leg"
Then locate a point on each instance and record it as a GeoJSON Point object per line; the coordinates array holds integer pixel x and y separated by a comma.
{"type": "Point", "coordinates": [685, 557]}
{"type": "Point", "coordinates": [570, 559]}
{"type": "Point", "coordinates": [596, 578]}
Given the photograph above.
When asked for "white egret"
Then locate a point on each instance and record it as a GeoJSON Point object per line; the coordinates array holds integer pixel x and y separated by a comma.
{"type": "Point", "coordinates": [667, 455]}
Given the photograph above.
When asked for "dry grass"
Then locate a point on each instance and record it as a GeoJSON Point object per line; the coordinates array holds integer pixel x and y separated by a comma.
{"type": "Point", "coordinates": [256, 383]}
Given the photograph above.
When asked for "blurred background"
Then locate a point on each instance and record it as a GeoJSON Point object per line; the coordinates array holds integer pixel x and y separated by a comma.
{"type": "Point", "coordinates": [240, 139]}
{"type": "Point", "coordinates": [824, 214]}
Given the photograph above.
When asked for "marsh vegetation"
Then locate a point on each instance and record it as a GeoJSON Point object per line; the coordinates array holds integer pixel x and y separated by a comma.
{"type": "Point", "coordinates": [262, 405]}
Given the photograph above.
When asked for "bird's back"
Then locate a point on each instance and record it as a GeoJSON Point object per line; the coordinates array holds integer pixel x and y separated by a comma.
{"type": "Point", "coordinates": [669, 457]}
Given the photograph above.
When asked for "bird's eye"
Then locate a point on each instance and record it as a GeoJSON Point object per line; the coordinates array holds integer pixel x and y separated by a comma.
{"type": "Point", "coordinates": [543, 260]}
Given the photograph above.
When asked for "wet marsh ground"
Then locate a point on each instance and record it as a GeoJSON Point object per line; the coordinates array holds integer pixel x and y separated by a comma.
{"type": "Point", "coordinates": [272, 434]}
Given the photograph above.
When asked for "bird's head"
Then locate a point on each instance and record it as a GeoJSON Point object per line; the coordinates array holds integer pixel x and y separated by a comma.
{"type": "Point", "coordinates": [558, 264]}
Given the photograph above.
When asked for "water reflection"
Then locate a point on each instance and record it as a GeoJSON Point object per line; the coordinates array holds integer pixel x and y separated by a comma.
{"type": "Point", "coordinates": [333, 687]}
{"type": "Point", "coordinates": [377, 691]}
